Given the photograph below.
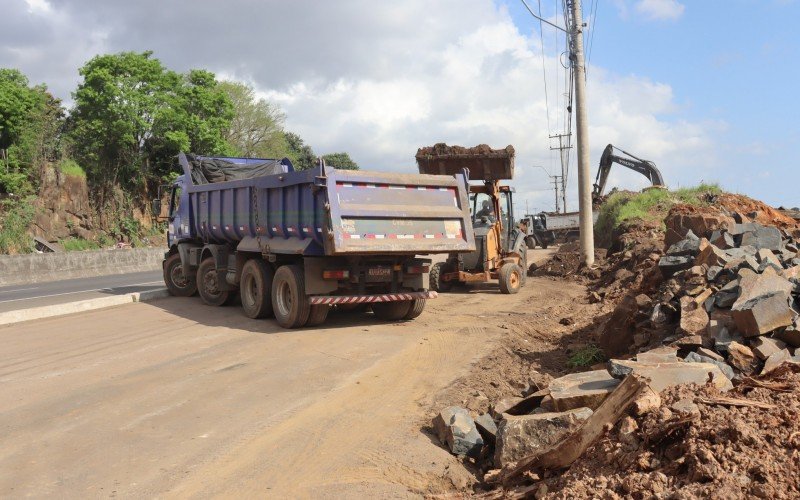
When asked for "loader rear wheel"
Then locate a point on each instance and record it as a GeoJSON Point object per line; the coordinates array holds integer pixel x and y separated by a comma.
{"type": "Point", "coordinates": [318, 314]}
{"type": "Point", "coordinates": [417, 306]}
{"type": "Point", "coordinates": [178, 283]}
{"type": "Point", "coordinates": [391, 311]}
{"type": "Point", "coordinates": [510, 278]}
{"type": "Point", "coordinates": [208, 286]}
{"type": "Point", "coordinates": [289, 300]}
{"type": "Point", "coordinates": [435, 278]}
{"type": "Point", "coordinates": [255, 289]}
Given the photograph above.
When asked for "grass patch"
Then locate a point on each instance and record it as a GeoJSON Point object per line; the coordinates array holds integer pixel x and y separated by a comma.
{"type": "Point", "coordinates": [72, 169]}
{"type": "Point", "coordinates": [15, 218]}
{"type": "Point", "coordinates": [650, 206]}
{"type": "Point", "coordinates": [586, 356]}
{"type": "Point", "coordinates": [78, 244]}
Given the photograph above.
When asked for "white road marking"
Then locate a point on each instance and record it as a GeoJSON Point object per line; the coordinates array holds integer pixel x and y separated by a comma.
{"type": "Point", "coordinates": [81, 291]}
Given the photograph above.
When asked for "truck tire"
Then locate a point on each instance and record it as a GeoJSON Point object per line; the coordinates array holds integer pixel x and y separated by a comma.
{"type": "Point", "coordinates": [289, 300]}
{"type": "Point", "coordinates": [530, 242]}
{"type": "Point", "coordinates": [391, 311]}
{"type": "Point", "coordinates": [207, 284]}
{"type": "Point", "coordinates": [510, 278]}
{"type": "Point", "coordinates": [417, 306]}
{"type": "Point", "coordinates": [435, 277]}
{"type": "Point", "coordinates": [318, 314]}
{"type": "Point", "coordinates": [255, 289]}
{"type": "Point", "coordinates": [178, 283]}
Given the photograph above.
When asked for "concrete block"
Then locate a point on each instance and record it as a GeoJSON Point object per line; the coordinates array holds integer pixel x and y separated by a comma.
{"type": "Point", "coordinates": [522, 436]}
{"type": "Point", "coordinates": [585, 389]}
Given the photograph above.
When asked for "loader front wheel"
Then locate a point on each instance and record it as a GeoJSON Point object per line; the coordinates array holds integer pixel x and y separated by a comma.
{"type": "Point", "coordinates": [256, 289]}
{"type": "Point", "coordinates": [510, 278]}
{"type": "Point", "coordinates": [391, 311]}
{"type": "Point", "coordinates": [178, 283]}
{"type": "Point", "coordinates": [435, 277]}
{"type": "Point", "coordinates": [208, 286]}
{"type": "Point", "coordinates": [289, 300]}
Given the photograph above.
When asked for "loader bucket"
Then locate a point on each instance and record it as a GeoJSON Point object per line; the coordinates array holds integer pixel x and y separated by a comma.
{"type": "Point", "coordinates": [483, 162]}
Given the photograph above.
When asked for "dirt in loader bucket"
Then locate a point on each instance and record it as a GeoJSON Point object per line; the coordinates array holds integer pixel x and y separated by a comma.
{"type": "Point", "coordinates": [483, 162]}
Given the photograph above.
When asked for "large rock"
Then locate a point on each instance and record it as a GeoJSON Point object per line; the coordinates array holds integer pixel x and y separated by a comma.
{"type": "Point", "coordinates": [671, 264]}
{"type": "Point", "coordinates": [694, 318]}
{"type": "Point", "coordinates": [700, 221]}
{"type": "Point", "coordinates": [487, 428]}
{"type": "Point", "coordinates": [763, 313]}
{"type": "Point", "coordinates": [711, 256]}
{"type": "Point", "coordinates": [690, 245]}
{"type": "Point", "coordinates": [763, 237]}
{"type": "Point", "coordinates": [694, 357]}
{"type": "Point", "coordinates": [764, 347]}
{"type": "Point", "coordinates": [521, 436]}
{"type": "Point", "coordinates": [584, 389]}
{"type": "Point", "coordinates": [455, 427]}
{"type": "Point", "coordinates": [775, 360]}
{"type": "Point", "coordinates": [741, 357]}
{"type": "Point", "coordinates": [617, 335]}
{"type": "Point", "coordinates": [658, 355]}
{"type": "Point", "coordinates": [752, 285]}
{"type": "Point", "coordinates": [663, 375]}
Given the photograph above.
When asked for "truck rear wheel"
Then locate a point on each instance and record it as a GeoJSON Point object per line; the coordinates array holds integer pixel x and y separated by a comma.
{"type": "Point", "coordinates": [255, 289]}
{"type": "Point", "coordinates": [417, 306]}
{"type": "Point", "coordinates": [318, 314]}
{"type": "Point", "coordinates": [289, 301]}
{"type": "Point", "coordinates": [208, 286]}
{"type": "Point", "coordinates": [510, 278]}
{"type": "Point", "coordinates": [435, 277]}
{"type": "Point", "coordinates": [391, 311]}
{"type": "Point", "coordinates": [178, 283]}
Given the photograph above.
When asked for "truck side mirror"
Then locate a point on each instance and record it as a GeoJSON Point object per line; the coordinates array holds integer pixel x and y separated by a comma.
{"type": "Point", "coordinates": [157, 208]}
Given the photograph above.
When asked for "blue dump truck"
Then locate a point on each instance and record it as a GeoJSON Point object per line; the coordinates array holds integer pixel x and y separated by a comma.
{"type": "Point", "coordinates": [294, 244]}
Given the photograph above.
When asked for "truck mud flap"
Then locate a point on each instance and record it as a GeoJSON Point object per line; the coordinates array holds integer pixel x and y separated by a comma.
{"type": "Point", "coordinates": [369, 299]}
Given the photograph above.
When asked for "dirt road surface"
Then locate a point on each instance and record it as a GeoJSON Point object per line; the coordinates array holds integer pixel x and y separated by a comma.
{"type": "Point", "coordinates": [177, 399]}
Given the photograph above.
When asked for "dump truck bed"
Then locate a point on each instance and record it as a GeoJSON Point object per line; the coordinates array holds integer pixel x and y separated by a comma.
{"type": "Point", "coordinates": [482, 162]}
{"type": "Point", "coordinates": [325, 211]}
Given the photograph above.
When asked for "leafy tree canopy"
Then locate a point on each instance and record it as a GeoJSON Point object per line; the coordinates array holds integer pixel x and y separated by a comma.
{"type": "Point", "coordinates": [340, 160]}
{"type": "Point", "coordinates": [256, 130]}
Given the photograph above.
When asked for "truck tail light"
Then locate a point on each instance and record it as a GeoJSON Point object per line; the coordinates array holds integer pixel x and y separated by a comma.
{"type": "Point", "coordinates": [335, 275]}
{"type": "Point", "coordinates": [417, 269]}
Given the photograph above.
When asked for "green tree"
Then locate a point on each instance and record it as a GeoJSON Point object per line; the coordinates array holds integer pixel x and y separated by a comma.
{"type": "Point", "coordinates": [30, 123]}
{"type": "Point", "coordinates": [340, 160]}
{"type": "Point", "coordinates": [257, 126]}
{"type": "Point", "coordinates": [132, 116]}
{"type": "Point", "coordinates": [301, 154]}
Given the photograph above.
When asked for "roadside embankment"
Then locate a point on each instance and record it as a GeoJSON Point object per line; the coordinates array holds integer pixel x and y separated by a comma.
{"type": "Point", "coordinates": [37, 268]}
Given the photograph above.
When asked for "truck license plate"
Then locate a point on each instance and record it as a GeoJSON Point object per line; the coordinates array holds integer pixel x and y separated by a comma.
{"type": "Point", "coordinates": [379, 272]}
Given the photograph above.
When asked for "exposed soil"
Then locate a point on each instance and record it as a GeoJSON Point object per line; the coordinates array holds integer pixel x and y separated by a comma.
{"type": "Point", "coordinates": [442, 149]}
{"type": "Point", "coordinates": [720, 452]}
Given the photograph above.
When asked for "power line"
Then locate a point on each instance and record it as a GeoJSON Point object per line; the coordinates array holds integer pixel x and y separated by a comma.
{"type": "Point", "coordinates": [593, 27]}
{"type": "Point", "coordinates": [544, 71]}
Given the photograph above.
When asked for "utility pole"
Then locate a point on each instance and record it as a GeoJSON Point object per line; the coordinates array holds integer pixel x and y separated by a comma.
{"type": "Point", "coordinates": [582, 129]}
{"type": "Point", "coordinates": [564, 145]}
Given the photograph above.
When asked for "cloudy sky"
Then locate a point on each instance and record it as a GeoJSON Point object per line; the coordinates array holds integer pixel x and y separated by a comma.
{"type": "Point", "coordinates": [704, 89]}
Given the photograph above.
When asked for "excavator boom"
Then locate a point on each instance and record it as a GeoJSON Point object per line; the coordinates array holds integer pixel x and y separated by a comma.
{"type": "Point", "coordinates": [644, 167]}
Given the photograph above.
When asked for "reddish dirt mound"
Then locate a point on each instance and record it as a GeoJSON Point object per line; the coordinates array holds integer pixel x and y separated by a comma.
{"type": "Point", "coordinates": [719, 452]}
{"type": "Point", "coordinates": [757, 211]}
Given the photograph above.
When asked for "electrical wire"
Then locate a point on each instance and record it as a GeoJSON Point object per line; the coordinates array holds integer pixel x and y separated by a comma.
{"type": "Point", "coordinates": [544, 70]}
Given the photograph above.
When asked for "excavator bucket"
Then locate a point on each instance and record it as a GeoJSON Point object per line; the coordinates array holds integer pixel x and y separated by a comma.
{"type": "Point", "coordinates": [483, 162]}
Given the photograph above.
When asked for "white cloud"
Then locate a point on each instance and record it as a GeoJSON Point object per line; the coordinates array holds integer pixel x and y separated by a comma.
{"type": "Point", "coordinates": [379, 79]}
{"type": "Point", "coordinates": [660, 9]}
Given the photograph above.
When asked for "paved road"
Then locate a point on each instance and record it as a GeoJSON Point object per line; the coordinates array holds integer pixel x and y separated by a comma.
{"type": "Point", "coordinates": [59, 292]}
{"type": "Point", "coordinates": [172, 398]}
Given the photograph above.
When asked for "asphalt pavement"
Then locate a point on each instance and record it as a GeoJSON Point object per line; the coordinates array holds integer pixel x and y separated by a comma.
{"type": "Point", "coordinates": [59, 292]}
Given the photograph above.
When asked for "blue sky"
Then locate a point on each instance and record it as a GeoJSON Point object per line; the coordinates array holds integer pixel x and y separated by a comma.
{"type": "Point", "coordinates": [731, 63]}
